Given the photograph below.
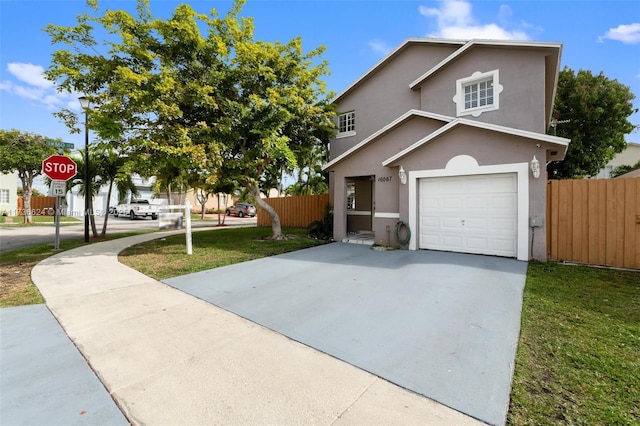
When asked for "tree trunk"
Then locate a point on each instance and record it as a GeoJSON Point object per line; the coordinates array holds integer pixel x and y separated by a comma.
{"type": "Point", "coordinates": [92, 218]}
{"type": "Point", "coordinates": [106, 217]}
{"type": "Point", "coordinates": [224, 215]}
{"type": "Point", "coordinates": [27, 189]}
{"type": "Point", "coordinates": [168, 193]}
{"type": "Point", "coordinates": [276, 229]}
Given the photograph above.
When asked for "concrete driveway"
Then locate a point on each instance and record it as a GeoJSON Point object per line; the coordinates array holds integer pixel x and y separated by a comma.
{"type": "Point", "coordinates": [443, 325]}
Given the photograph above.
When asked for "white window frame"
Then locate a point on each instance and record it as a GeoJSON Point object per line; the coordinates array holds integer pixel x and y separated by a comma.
{"type": "Point", "coordinates": [475, 79]}
{"type": "Point", "coordinates": [5, 196]}
{"type": "Point", "coordinates": [350, 124]}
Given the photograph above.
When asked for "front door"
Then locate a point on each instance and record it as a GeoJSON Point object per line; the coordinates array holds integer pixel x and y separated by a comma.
{"type": "Point", "coordinates": [359, 204]}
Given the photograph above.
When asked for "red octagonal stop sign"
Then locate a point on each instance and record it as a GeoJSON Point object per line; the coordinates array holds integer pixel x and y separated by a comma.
{"type": "Point", "coordinates": [59, 167]}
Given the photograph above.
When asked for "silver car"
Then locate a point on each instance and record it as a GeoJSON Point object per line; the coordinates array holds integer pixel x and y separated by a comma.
{"type": "Point", "coordinates": [241, 210]}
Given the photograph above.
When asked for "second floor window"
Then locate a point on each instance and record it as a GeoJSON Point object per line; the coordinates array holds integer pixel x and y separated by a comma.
{"type": "Point", "coordinates": [478, 93]}
{"type": "Point", "coordinates": [347, 124]}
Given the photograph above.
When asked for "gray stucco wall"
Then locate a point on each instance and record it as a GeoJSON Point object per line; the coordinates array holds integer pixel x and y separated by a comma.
{"type": "Point", "coordinates": [386, 95]}
{"type": "Point", "coordinates": [488, 148]}
{"type": "Point", "coordinates": [368, 162]}
{"type": "Point", "coordinates": [521, 73]}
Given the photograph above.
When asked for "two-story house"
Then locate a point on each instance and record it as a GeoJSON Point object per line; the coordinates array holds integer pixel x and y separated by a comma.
{"type": "Point", "coordinates": [442, 146]}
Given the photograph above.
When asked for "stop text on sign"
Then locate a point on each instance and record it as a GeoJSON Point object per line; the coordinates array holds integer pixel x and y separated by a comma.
{"type": "Point", "coordinates": [60, 168]}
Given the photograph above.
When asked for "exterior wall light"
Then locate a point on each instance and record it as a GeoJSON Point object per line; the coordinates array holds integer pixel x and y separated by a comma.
{"type": "Point", "coordinates": [402, 175]}
{"type": "Point", "coordinates": [535, 167]}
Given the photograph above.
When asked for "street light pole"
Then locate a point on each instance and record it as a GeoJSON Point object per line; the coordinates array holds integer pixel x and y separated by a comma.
{"type": "Point", "coordinates": [84, 102]}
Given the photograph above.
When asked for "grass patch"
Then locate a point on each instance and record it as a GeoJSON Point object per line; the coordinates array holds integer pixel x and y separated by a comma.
{"type": "Point", "coordinates": [39, 220]}
{"type": "Point", "coordinates": [578, 359]}
{"type": "Point", "coordinates": [16, 287]}
{"type": "Point", "coordinates": [167, 258]}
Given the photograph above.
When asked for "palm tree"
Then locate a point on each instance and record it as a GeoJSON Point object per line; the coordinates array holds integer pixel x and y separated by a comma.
{"type": "Point", "coordinates": [94, 185]}
{"type": "Point", "coordinates": [112, 169]}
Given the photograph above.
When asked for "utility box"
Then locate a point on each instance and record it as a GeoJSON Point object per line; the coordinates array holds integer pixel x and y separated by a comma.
{"type": "Point", "coordinates": [536, 222]}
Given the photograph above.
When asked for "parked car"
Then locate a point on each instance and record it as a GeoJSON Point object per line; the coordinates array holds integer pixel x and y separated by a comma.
{"type": "Point", "coordinates": [137, 208]}
{"type": "Point", "coordinates": [241, 210]}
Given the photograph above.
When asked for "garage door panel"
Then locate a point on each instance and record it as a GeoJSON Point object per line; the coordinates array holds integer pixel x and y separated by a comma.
{"type": "Point", "coordinates": [452, 242]}
{"type": "Point", "coordinates": [471, 214]}
{"type": "Point", "coordinates": [452, 203]}
{"type": "Point", "coordinates": [503, 245]}
{"type": "Point", "coordinates": [451, 223]}
{"type": "Point", "coordinates": [505, 225]}
{"type": "Point", "coordinates": [477, 203]}
{"type": "Point", "coordinates": [475, 224]}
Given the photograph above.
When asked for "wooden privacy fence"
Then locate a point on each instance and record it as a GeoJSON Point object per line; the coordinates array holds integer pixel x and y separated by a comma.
{"type": "Point", "coordinates": [40, 206]}
{"type": "Point", "coordinates": [594, 221]}
{"type": "Point", "coordinates": [295, 211]}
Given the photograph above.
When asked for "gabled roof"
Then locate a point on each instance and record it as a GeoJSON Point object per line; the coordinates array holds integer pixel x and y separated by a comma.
{"type": "Point", "coordinates": [395, 52]}
{"type": "Point", "coordinates": [395, 123]}
{"type": "Point", "coordinates": [470, 44]}
{"type": "Point", "coordinates": [562, 142]}
{"type": "Point", "coordinates": [552, 66]}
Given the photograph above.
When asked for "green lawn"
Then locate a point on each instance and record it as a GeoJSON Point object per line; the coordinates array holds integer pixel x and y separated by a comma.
{"type": "Point", "coordinates": [166, 258]}
{"type": "Point", "coordinates": [16, 287]}
{"type": "Point", "coordinates": [38, 220]}
{"type": "Point", "coordinates": [578, 359]}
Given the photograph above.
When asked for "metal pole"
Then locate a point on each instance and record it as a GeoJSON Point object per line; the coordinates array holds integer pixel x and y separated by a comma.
{"type": "Point", "coordinates": [86, 175]}
{"type": "Point", "coordinates": [57, 222]}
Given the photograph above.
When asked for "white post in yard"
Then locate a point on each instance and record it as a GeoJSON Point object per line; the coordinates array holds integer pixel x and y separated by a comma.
{"type": "Point", "coordinates": [187, 212]}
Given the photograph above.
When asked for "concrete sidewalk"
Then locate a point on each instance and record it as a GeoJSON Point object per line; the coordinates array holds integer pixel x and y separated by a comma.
{"type": "Point", "coordinates": [170, 358]}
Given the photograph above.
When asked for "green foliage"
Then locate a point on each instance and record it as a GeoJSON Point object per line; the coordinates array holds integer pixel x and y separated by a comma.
{"type": "Point", "coordinates": [23, 152]}
{"type": "Point", "coordinates": [323, 229]}
{"type": "Point", "coordinates": [620, 170]}
{"type": "Point", "coordinates": [181, 103]}
{"type": "Point", "coordinates": [34, 193]}
{"type": "Point", "coordinates": [598, 109]}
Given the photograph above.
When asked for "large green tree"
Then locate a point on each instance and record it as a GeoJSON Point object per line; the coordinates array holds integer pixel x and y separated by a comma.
{"type": "Point", "coordinates": [593, 111]}
{"type": "Point", "coordinates": [23, 152]}
{"type": "Point", "coordinates": [220, 101]}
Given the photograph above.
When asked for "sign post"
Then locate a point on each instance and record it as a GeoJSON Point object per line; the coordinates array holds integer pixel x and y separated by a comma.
{"type": "Point", "coordinates": [59, 169]}
{"type": "Point", "coordinates": [174, 220]}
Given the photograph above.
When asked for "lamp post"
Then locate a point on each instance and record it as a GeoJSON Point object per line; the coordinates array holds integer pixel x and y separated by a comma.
{"type": "Point", "coordinates": [84, 102]}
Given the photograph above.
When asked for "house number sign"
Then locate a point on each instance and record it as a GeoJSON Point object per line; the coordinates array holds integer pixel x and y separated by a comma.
{"type": "Point", "coordinates": [384, 178]}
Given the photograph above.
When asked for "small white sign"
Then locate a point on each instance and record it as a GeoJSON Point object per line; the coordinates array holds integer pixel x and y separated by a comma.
{"type": "Point", "coordinates": [59, 188]}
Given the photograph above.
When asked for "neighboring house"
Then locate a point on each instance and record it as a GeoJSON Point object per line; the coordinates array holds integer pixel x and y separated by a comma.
{"type": "Point", "coordinates": [628, 157]}
{"type": "Point", "coordinates": [9, 194]}
{"type": "Point", "coordinates": [443, 135]}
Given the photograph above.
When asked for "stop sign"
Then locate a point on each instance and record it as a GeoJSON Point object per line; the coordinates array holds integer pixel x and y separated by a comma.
{"type": "Point", "coordinates": [59, 167]}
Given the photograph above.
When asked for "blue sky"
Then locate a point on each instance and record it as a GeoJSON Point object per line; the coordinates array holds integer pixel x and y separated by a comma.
{"type": "Point", "coordinates": [597, 35]}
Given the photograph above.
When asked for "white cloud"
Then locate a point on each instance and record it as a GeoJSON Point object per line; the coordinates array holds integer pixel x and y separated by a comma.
{"type": "Point", "coordinates": [455, 20]}
{"type": "Point", "coordinates": [379, 47]}
{"type": "Point", "coordinates": [30, 74]}
{"type": "Point", "coordinates": [32, 85]}
{"type": "Point", "coordinates": [452, 12]}
{"type": "Point", "coordinates": [489, 31]}
{"type": "Point", "coordinates": [628, 34]}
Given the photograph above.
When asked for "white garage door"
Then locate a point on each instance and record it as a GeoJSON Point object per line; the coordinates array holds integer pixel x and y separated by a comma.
{"type": "Point", "coordinates": [470, 214]}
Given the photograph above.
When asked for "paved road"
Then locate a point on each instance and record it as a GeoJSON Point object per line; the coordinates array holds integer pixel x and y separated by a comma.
{"type": "Point", "coordinates": [13, 237]}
